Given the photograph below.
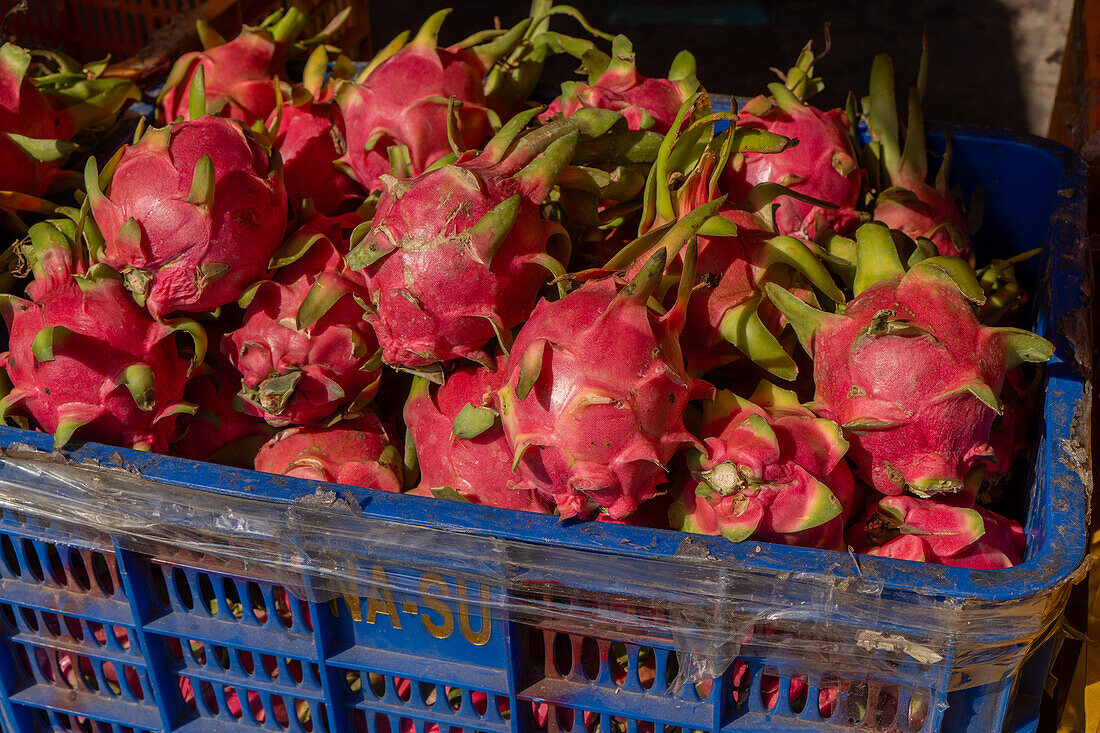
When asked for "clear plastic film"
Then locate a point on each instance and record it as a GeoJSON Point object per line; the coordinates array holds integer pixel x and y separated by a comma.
{"type": "Point", "coordinates": [842, 617]}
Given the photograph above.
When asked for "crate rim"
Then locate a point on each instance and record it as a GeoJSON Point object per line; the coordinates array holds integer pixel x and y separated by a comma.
{"type": "Point", "coordinates": [1056, 561]}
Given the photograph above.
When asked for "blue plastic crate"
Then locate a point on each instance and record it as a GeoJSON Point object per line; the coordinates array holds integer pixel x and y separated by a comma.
{"type": "Point", "coordinates": [146, 593]}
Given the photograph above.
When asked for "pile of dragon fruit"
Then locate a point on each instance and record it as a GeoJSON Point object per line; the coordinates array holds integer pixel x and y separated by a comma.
{"type": "Point", "coordinates": [404, 275]}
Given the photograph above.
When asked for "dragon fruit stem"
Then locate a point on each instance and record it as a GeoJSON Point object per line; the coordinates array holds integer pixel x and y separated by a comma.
{"type": "Point", "coordinates": [288, 28]}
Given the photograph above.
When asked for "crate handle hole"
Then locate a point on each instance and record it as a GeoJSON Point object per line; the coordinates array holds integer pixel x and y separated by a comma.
{"type": "Point", "coordinates": [617, 662]}
{"type": "Point", "coordinates": [857, 703]}
{"type": "Point", "coordinates": [591, 658]}
{"type": "Point", "coordinates": [11, 560]}
{"type": "Point", "coordinates": [799, 693]}
{"type": "Point", "coordinates": [672, 669]}
{"type": "Point", "coordinates": [828, 699]}
{"type": "Point", "coordinates": [57, 570]}
{"type": "Point", "coordinates": [769, 690]}
{"type": "Point", "coordinates": [647, 667]}
{"type": "Point", "coordinates": [104, 578]}
{"type": "Point", "coordinates": [76, 630]}
{"type": "Point", "coordinates": [564, 717]}
{"type": "Point", "coordinates": [183, 589]}
{"type": "Point", "coordinates": [563, 655]}
{"type": "Point", "coordinates": [918, 712]}
{"type": "Point", "coordinates": [257, 602]}
{"type": "Point", "coordinates": [79, 569]}
{"type": "Point", "coordinates": [428, 694]}
{"type": "Point", "coordinates": [403, 685]}
{"type": "Point", "coordinates": [31, 558]}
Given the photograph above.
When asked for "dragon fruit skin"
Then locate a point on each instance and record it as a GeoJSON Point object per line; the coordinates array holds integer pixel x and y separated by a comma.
{"type": "Point", "coordinates": [733, 272]}
{"type": "Point", "coordinates": [925, 530]}
{"type": "Point", "coordinates": [26, 121]}
{"type": "Point", "coordinates": [771, 470]}
{"type": "Point", "coordinates": [823, 165]}
{"type": "Point", "coordinates": [594, 393]}
{"type": "Point", "coordinates": [645, 103]}
{"type": "Point", "coordinates": [240, 75]}
{"type": "Point", "coordinates": [192, 214]}
{"type": "Point", "coordinates": [404, 101]}
{"type": "Point", "coordinates": [920, 210]}
{"type": "Point", "coordinates": [309, 135]}
{"type": "Point", "coordinates": [479, 467]}
{"type": "Point", "coordinates": [908, 370]}
{"type": "Point", "coordinates": [355, 452]}
{"type": "Point", "coordinates": [908, 203]}
{"type": "Point", "coordinates": [304, 348]}
{"type": "Point", "coordinates": [1019, 397]}
{"type": "Point", "coordinates": [456, 256]}
{"type": "Point", "coordinates": [310, 141]}
{"type": "Point", "coordinates": [84, 359]}
{"type": "Point", "coordinates": [217, 432]}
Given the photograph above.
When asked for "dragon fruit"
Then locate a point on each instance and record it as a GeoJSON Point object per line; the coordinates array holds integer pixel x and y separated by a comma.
{"type": "Point", "coordinates": [771, 470]}
{"type": "Point", "coordinates": [403, 99]}
{"type": "Point", "coordinates": [823, 165]}
{"type": "Point", "coordinates": [908, 528]}
{"type": "Point", "coordinates": [217, 432]}
{"type": "Point", "coordinates": [355, 452]}
{"type": "Point", "coordinates": [738, 252]}
{"type": "Point", "coordinates": [615, 84]}
{"type": "Point", "coordinates": [460, 444]}
{"type": "Point", "coordinates": [192, 214]}
{"type": "Point", "coordinates": [907, 369]}
{"type": "Point", "coordinates": [310, 139]}
{"type": "Point", "coordinates": [304, 350]}
{"type": "Point", "coordinates": [240, 76]}
{"type": "Point", "coordinates": [457, 255]}
{"type": "Point", "coordinates": [33, 142]}
{"type": "Point", "coordinates": [594, 390]}
{"type": "Point", "coordinates": [1020, 396]}
{"type": "Point", "coordinates": [84, 359]}
{"type": "Point", "coordinates": [907, 202]}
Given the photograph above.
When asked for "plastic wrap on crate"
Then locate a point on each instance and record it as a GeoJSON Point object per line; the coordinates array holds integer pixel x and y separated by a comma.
{"type": "Point", "coordinates": [674, 590]}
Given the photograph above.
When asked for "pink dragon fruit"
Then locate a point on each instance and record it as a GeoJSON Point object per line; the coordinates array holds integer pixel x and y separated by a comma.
{"type": "Point", "coordinates": [457, 255]}
{"type": "Point", "coordinates": [460, 444]}
{"type": "Point", "coordinates": [403, 99]}
{"type": "Point", "coordinates": [33, 142]}
{"type": "Point", "coordinates": [217, 432]}
{"type": "Point", "coordinates": [193, 213]}
{"type": "Point", "coordinates": [1019, 397]}
{"type": "Point", "coordinates": [355, 452]}
{"type": "Point", "coordinates": [907, 369]}
{"type": "Point", "coordinates": [310, 139]}
{"type": "Point", "coordinates": [652, 514]}
{"type": "Point", "coordinates": [615, 84]}
{"type": "Point", "coordinates": [771, 470]}
{"type": "Point", "coordinates": [304, 350]}
{"type": "Point", "coordinates": [738, 252]}
{"type": "Point", "coordinates": [240, 76]}
{"type": "Point", "coordinates": [926, 530]}
{"type": "Point", "coordinates": [594, 391]}
{"type": "Point", "coordinates": [84, 359]}
{"type": "Point", "coordinates": [907, 202]}
{"type": "Point", "coordinates": [823, 165]}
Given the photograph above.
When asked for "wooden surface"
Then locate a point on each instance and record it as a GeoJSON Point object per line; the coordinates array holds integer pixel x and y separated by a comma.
{"type": "Point", "coordinates": [1074, 703]}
